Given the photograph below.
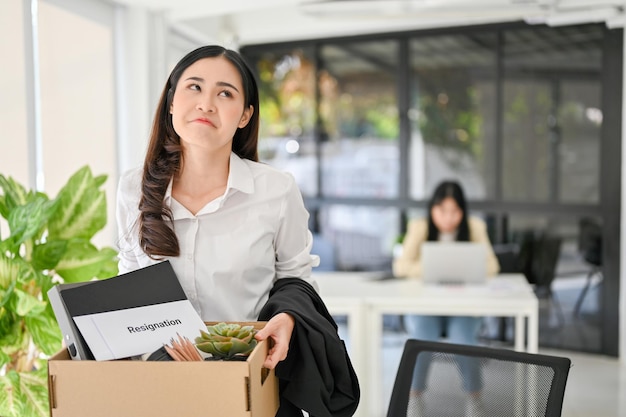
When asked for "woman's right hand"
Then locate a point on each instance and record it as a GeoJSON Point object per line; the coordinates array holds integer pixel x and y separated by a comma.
{"type": "Point", "coordinates": [279, 329]}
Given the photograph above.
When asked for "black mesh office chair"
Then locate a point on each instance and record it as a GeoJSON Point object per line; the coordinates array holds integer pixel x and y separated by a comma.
{"type": "Point", "coordinates": [512, 383]}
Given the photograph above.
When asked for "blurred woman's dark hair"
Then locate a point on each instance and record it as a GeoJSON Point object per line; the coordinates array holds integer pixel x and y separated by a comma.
{"type": "Point", "coordinates": [444, 190]}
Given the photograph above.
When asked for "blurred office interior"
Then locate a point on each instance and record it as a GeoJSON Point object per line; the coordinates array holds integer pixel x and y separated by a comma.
{"type": "Point", "coordinates": [369, 125]}
{"type": "Point", "coordinates": [369, 104]}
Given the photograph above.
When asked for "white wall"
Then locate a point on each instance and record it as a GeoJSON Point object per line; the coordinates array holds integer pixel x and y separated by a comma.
{"type": "Point", "coordinates": [121, 59]}
{"type": "Point", "coordinates": [12, 97]}
{"type": "Point", "coordinates": [77, 99]}
{"type": "Point", "coordinates": [13, 100]}
{"type": "Point", "coordinates": [133, 67]}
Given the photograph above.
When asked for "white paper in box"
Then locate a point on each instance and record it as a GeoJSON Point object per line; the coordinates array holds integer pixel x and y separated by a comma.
{"type": "Point", "coordinates": [135, 331]}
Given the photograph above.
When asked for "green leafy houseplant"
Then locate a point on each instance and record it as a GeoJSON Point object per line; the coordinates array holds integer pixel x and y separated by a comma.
{"type": "Point", "coordinates": [49, 242]}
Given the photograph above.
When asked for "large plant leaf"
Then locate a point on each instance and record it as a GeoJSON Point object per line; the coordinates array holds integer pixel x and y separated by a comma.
{"type": "Point", "coordinates": [24, 304]}
{"type": "Point", "coordinates": [43, 279]}
{"type": "Point", "coordinates": [45, 332]}
{"type": "Point", "coordinates": [4, 210]}
{"type": "Point", "coordinates": [80, 208]}
{"type": "Point", "coordinates": [24, 394]}
{"type": "Point", "coordinates": [4, 358]}
{"type": "Point", "coordinates": [11, 402]}
{"type": "Point", "coordinates": [14, 194]}
{"type": "Point", "coordinates": [46, 282]}
{"type": "Point", "coordinates": [109, 264]}
{"type": "Point", "coordinates": [9, 329]}
{"type": "Point", "coordinates": [17, 273]}
{"type": "Point", "coordinates": [83, 261]}
{"type": "Point", "coordinates": [100, 180]}
{"type": "Point", "coordinates": [48, 255]}
{"type": "Point", "coordinates": [34, 386]}
{"type": "Point", "coordinates": [9, 271]}
{"type": "Point", "coordinates": [6, 294]}
{"type": "Point", "coordinates": [27, 221]}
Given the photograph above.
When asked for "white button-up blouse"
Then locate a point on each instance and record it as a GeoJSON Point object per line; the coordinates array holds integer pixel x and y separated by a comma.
{"type": "Point", "coordinates": [234, 248]}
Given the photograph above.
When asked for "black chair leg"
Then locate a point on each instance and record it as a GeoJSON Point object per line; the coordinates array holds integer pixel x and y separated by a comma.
{"type": "Point", "coordinates": [583, 292]}
{"type": "Point", "coordinates": [560, 317]}
{"type": "Point", "coordinates": [548, 296]}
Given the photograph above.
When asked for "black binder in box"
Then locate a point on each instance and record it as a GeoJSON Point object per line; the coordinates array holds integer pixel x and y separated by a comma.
{"type": "Point", "coordinates": [151, 285]}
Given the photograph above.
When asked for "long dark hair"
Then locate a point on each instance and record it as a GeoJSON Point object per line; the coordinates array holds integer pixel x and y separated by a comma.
{"type": "Point", "coordinates": [164, 154]}
{"type": "Point", "coordinates": [444, 190]}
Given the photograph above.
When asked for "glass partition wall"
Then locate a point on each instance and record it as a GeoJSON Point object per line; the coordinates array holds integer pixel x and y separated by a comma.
{"type": "Point", "coordinates": [330, 117]}
{"type": "Point", "coordinates": [288, 110]}
{"type": "Point", "coordinates": [517, 113]}
{"type": "Point", "coordinates": [552, 115]}
{"type": "Point", "coordinates": [359, 131]}
{"type": "Point", "coordinates": [552, 121]}
{"type": "Point", "coordinates": [452, 113]}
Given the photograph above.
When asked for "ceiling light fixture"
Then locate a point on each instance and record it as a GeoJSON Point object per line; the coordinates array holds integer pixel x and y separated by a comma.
{"type": "Point", "coordinates": [405, 8]}
{"type": "Point", "coordinates": [616, 22]}
{"type": "Point", "coordinates": [581, 16]}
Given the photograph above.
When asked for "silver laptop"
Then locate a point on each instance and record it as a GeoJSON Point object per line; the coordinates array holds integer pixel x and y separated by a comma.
{"type": "Point", "coordinates": [454, 263]}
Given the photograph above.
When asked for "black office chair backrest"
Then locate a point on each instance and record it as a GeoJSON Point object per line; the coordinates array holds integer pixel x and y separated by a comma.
{"type": "Point", "coordinates": [590, 241]}
{"type": "Point", "coordinates": [538, 256]}
{"type": "Point", "coordinates": [508, 257]}
{"type": "Point", "coordinates": [513, 383]}
{"type": "Point", "coordinates": [546, 251]}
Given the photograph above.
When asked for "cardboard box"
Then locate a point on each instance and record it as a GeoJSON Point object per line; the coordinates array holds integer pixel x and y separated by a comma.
{"type": "Point", "coordinates": [125, 388]}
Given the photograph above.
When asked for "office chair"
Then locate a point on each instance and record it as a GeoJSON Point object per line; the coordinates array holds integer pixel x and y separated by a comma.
{"type": "Point", "coordinates": [538, 258]}
{"type": "Point", "coordinates": [508, 255]}
{"type": "Point", "coordinates": [590, 248]}
{"type": "Point", "coordinates": [513, 383]}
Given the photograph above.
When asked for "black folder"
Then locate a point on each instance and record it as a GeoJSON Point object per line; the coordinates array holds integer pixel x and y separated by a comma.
{"type": "Point", "coordinates": [147, 286]}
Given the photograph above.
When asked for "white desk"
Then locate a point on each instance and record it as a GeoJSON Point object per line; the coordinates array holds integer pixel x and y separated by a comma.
{"type": "Point", "coordinates": [365, 300]}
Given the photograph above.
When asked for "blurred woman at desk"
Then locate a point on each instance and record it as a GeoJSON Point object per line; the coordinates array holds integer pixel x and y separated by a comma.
{"type": "Point", "coordinates": [448, 220]}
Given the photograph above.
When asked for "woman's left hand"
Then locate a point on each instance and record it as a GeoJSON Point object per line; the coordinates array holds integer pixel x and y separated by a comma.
{"type": "Point", "coordinates": [279, 329]}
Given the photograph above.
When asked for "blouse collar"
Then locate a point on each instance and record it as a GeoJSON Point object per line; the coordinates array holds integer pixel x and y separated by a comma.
{"type": "Point", "coordinates": [240, 178]}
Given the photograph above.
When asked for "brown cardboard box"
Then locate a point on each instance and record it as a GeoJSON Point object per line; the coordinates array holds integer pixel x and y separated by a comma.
{"type": "Point", "coordinates": [125, 388]}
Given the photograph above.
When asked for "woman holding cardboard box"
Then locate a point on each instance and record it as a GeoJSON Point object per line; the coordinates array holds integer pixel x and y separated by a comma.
{"type": "Point", "coordinates": [230, 226]}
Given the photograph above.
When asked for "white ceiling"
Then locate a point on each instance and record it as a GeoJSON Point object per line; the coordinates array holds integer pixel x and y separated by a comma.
{"type": "Point", "coordinates": [245, 22]}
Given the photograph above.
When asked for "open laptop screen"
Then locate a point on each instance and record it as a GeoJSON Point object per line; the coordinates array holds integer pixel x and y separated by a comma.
{"type": "Point", "coordinates": [454, 262]}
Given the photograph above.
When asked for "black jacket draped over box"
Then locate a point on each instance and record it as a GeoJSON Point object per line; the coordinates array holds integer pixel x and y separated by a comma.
{"type": "Point", "coordinates": [317, 376]}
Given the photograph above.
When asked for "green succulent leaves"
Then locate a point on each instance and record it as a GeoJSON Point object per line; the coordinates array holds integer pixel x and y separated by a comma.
{"type": "Point", "coordinates": [227, 340]}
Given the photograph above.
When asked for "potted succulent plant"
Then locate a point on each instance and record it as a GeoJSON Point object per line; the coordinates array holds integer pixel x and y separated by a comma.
{"type": "Point", "coordinates": [227, 341]}
{"type": "Point", "coordinates": [49, 242]}
{"type": "Point", "coordinates": [221, 341]}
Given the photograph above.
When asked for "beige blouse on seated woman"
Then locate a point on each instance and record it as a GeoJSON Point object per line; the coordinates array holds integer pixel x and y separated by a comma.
{"type": "Point", "coordinates": [409, 264]}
